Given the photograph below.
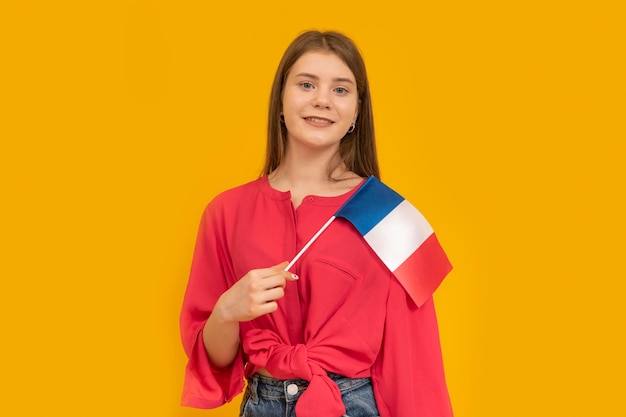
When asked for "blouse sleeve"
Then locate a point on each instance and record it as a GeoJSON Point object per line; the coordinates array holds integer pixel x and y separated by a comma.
{"type": "Point", "coordinates": [206, 386]}
{"type": "Point", "coordinates": [408, 375]}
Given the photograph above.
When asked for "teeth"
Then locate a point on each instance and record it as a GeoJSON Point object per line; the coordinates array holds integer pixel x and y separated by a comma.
{"type": "Point", "coordinates": [316, 120]}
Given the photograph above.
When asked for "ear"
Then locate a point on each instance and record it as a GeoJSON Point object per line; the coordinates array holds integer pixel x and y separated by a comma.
{"type": "Point", "coordinates": [356, 111]}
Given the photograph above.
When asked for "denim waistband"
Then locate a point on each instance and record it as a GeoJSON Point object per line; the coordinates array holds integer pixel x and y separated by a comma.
{"type": "Point", "coordinates": [267, 387]}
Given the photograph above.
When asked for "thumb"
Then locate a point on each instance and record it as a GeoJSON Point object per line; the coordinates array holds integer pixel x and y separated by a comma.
{"type": "Point", "coordinates": [281, 265]}
{"type": "Point", "coordinates": [288, 275]}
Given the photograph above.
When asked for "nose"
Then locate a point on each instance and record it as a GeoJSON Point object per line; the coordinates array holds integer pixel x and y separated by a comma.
{"type": "Point", "coordinates": [321, 99]}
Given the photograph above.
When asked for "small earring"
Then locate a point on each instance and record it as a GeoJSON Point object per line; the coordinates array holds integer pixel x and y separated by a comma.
{"type": "Point", "coordinates": [282, 118]}
{"type": "Point", "coordinates": [351, 129]}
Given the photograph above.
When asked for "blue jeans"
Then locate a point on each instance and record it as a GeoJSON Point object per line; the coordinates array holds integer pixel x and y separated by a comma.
{"type": "Point", "coordinates": [269, 397]}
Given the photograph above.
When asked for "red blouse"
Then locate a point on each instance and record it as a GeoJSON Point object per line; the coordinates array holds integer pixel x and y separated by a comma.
{"type": "Point", "coordinates": [346, 314]}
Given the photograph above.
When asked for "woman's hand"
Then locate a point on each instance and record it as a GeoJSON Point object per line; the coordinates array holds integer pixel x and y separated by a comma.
{"type": "Point", "coordinates": [254, 295]}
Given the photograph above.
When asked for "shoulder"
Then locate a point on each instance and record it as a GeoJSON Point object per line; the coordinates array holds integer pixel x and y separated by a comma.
{"type": "Point", "coordinates": [239, 193]}
{"type": "Point", "coordinates": [226, 204]}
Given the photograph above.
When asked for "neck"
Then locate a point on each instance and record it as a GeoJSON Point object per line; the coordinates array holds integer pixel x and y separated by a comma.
{"type": "Point", "coordinates": [316, 168]}
{"type": "Point", "coordinates": [319, 174]}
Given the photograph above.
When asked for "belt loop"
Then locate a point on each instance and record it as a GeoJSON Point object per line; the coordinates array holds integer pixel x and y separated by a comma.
{"type": "Point", "coordinates": [254, 387]}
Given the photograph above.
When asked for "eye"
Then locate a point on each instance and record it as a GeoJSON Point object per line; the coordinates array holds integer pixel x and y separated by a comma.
{"type": "Point", "coordinates": [341, 90]}
{"type": "Point", "coordinates": [306, 85]}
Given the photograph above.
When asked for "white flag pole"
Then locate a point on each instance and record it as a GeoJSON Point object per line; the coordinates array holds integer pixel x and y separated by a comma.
{"type": "Point", "coordinates": [315, 236]}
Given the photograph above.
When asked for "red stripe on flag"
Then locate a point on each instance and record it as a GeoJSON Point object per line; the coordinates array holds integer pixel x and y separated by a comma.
{"type": "Point", "coordinates": [422, 272]}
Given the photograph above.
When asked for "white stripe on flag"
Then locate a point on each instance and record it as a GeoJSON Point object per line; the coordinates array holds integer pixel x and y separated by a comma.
{"type": "Point", "coordinates": [399, 234]}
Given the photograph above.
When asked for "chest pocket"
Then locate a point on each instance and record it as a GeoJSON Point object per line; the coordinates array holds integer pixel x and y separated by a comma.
{"type": "Point", "coordinates": [328, 285]}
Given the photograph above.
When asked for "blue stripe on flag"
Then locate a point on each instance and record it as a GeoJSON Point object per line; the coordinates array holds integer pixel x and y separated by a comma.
{"type": "Point", "coordinates": [369, 205]}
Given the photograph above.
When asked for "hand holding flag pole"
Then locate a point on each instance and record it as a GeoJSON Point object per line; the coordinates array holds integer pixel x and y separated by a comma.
{"type": "Point", "coordinates": [398, 234]}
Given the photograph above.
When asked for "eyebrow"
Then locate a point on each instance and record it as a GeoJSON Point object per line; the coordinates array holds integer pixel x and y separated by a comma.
{"type": "Point", "coordinates": [315, 77]}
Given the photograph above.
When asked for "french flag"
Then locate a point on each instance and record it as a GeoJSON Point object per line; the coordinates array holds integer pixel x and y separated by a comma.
{"type": "Point", "coordinates": [400, 236]}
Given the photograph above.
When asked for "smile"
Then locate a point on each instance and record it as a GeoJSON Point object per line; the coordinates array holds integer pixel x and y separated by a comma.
{"type": "Point", "coordinates": [318, 120]}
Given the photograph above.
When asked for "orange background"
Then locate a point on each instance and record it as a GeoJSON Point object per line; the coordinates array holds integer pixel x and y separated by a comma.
{"type": "Point", "coordinates": [503, 122]}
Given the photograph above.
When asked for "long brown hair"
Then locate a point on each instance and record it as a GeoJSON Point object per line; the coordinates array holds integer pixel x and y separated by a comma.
{"type": "Point", "coordinates": [357, 148]}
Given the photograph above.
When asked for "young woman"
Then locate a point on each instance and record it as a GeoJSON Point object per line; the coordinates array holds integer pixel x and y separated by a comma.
{"type": "Point", "coordinates": [337, 334]}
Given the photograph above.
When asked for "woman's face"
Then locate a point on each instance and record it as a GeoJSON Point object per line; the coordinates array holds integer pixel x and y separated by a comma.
{"type": "Point", "coordinates": [320, 100]}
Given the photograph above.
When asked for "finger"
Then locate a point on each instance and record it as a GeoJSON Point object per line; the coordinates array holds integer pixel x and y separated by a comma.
{"type": "Point", "coordinates": [282, 265]}
{"type": "Point", "coordinates": [288, 275]}
{"type": "Point", "coordinates": [276, 270]}
{"type": "Point", "coordinates": [266, 308]}
{"type": "Point", "coordinates": [272, 270]}
{"type": "Point", "coordinates": [274, 281]}
{"type": "Point", "coordinates": [273, 294]}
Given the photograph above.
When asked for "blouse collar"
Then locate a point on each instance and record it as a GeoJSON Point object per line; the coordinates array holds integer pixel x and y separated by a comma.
{"type": "Point", "coordinates": [337, 200]}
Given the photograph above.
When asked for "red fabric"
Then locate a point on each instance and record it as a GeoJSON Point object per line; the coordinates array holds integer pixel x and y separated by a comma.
{"type": "Point", "coordinates": [287, 362]}
{"type": "Point", "coordinates": [347, 314]}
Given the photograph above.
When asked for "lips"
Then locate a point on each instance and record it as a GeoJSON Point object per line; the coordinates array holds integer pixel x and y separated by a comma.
{"type": "Point", "coordinates": [320, 120]}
